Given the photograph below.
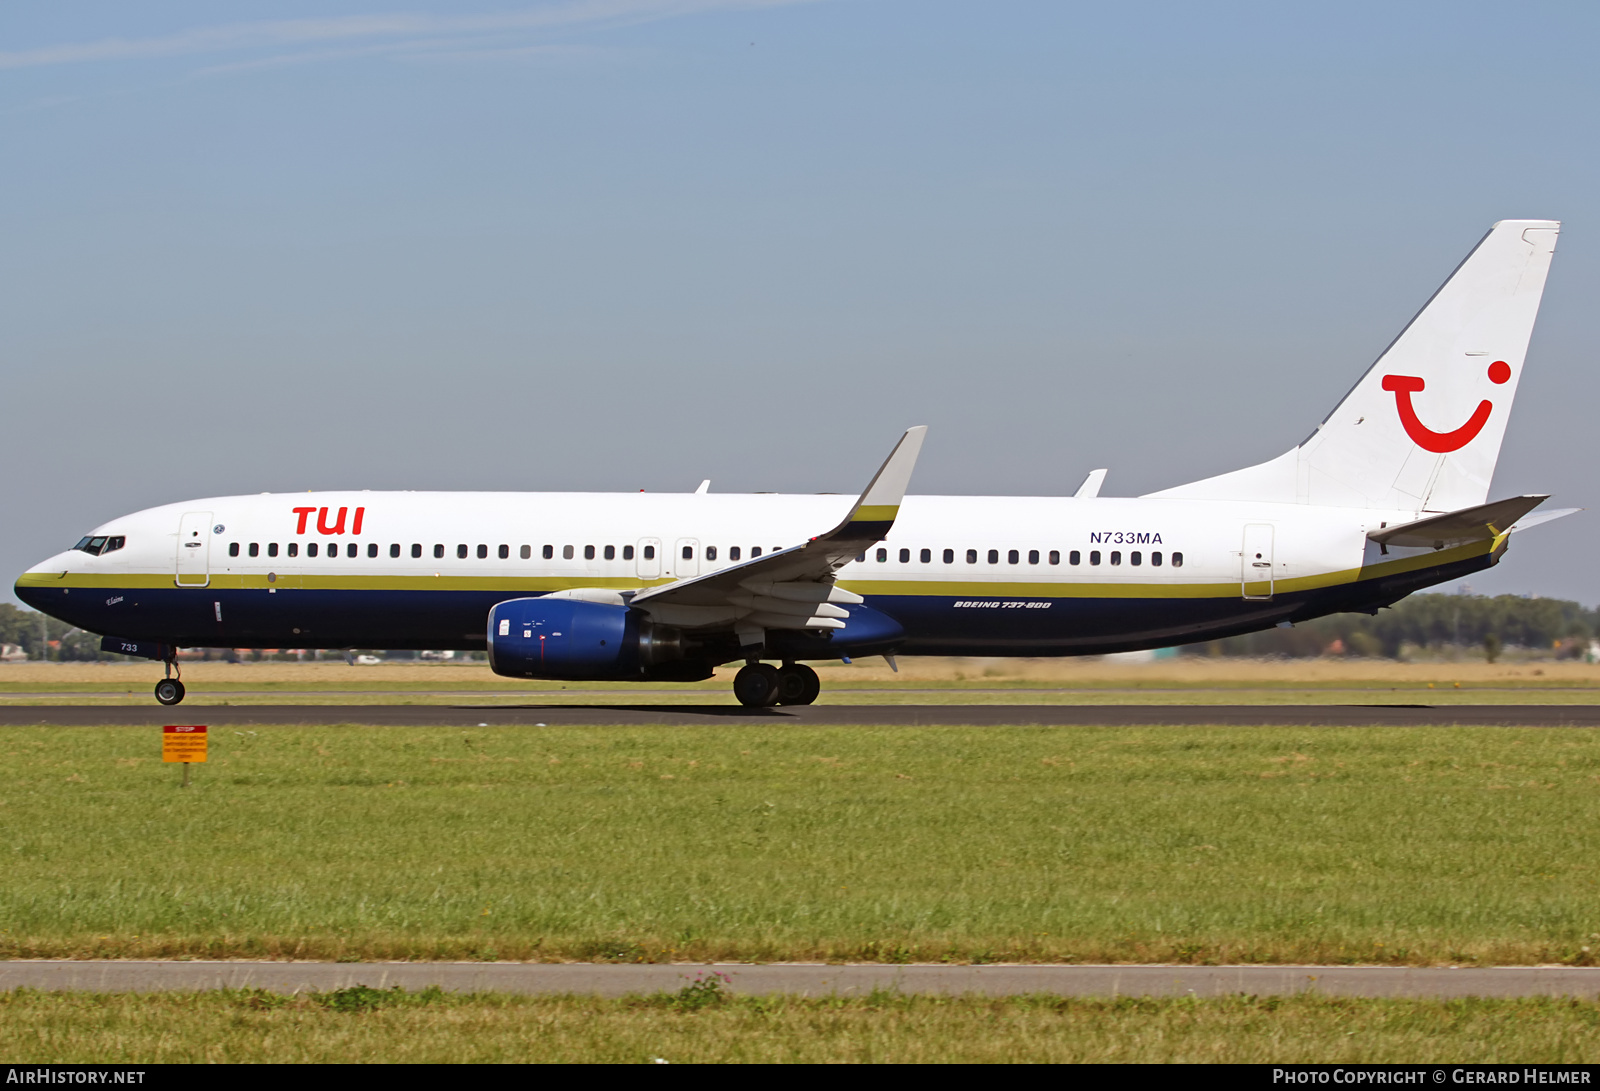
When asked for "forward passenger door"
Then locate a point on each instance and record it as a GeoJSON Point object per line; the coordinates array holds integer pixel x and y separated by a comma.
{"type": "Point", "coordinates": [194, 549]}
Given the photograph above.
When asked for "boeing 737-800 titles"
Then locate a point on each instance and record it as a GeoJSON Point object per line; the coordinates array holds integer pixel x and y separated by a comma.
{"type": "Point", "coordinates": [1389, 494]}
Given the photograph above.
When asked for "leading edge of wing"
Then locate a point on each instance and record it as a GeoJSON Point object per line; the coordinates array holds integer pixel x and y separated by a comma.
{"type": "Point", "coordinates": [817, 559]}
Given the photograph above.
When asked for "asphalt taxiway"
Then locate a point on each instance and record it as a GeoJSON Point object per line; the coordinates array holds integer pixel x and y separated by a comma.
{"type": "Point", "coordinates": [469, 714]}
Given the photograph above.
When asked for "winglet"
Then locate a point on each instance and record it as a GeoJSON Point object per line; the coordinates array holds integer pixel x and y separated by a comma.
{"type": "Point", "coordinates": [875, 512]}
{"type": "Point", "coordinates": [1091, 484]}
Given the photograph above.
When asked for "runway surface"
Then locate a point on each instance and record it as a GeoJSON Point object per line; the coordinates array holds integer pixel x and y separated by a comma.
{"type": "Point", "coordinates": [467, 714]}
{"type": "Point", "coordinates": [808, 979]}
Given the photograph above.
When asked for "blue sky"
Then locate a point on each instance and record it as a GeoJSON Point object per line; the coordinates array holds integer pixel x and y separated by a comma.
{"type": "Point", "coordinates": [631, 244]}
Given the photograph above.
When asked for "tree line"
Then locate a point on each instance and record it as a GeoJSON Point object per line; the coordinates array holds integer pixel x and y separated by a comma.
{"type": "Point", "coordinates": [1556, 626]}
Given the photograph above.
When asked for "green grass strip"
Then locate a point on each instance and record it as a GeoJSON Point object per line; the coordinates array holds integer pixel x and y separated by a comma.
{"type": "Point", "coordinates": [775, 842]}
{"type": "Point", "coordinates": [369, 1025]}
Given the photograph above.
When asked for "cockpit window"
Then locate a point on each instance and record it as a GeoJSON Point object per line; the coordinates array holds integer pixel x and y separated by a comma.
{"type": "Point", "coordinates": [98, 544]}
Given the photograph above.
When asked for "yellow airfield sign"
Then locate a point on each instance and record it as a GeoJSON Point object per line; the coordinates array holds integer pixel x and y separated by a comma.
{"type": "Point", "coordinates": [183, 743]}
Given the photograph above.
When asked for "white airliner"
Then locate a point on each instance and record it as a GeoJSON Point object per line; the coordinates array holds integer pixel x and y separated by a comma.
{"type": "Point", "coordinates": [1386, 496]}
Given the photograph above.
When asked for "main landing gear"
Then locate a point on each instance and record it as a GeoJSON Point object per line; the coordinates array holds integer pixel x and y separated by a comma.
{"type": "Point", "coordinates": [759, 685]}
{"type": "Point", "coordinates": [169, 691]}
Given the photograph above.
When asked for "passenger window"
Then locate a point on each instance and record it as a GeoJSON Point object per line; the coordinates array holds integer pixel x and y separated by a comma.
{"type": "Point", "coordinates": [611, 553]}
{"type": "Point", "coordinates": [352, 550]}
{"type": "Point", "coordinates": [688, 553]}
{"type": "Point", "coordinates": [461, 551]}
{"type": "Point", "coordinates": [972, 556]}
{"type": "Point", "coordinates": [949, 556]}
{"type": "Point", "coordinates": [272, 549]}
{"type": "Point", "coordinates": [311, 549]}
{"type": "Point", "coordinates": [333, 549]}
{"type": "Point", "coordinates": [1094, 556]}
{"type": "Point", "coordinates": [862, 557]}
{"type": "Point", "coordinates": [525, 552]}
{"type": "Point", "coordinates": [883, 555]}
{"type": "Point", "coordinates": [294, 549]}
{"type": "Point", "coordinates": [416, 549]}
{"type": "Point", "coordinates": [1116, 556]}
{"type": "Point", "coordinates": [1177, 560]}
{"type": "Point", "coordinates": [1012, 558]}
{"type": "Point", "coordinates": [755, 551]}
{"type": "Point", "coordinates": [394, 549]}
{"type": "Point", "coordinates": [1055, 557]}
{"type": "Point", "coordinates": [566, 553]}
{"type": "Point", "coordinates": [733, 553]}
{"type": "Point", "coordinates": [905, 556]}
{"type": "Point", "coordinates": [1135, 557]}
{"type": "Point", "coordinates": [233, 549]}
{"type": "Point", "coordinates": [504, 552]}
{"type": "Point", "coordinates": [711, 553]}
{"type": "Point", "coordinates": [549, 552]}
{"type": "Point", "coordinates": [649, 552]}
{"type": "Point", "coordinates": [994, 556]}
{"type": "Point", "coordinates": [255, 549]}
{"type": "Point", "coordinates": [1155, 558]}
{"type": "Point", "coordinates": [1033, 556]}
{"type": "Point", "coordinates": [588, 553]}
{"type": "Point", "coordinates": [483, 551]}
{"type": "Point", "coordinates": [627, 553]}
{"type": "Point", "coordinates": [926, 556]}
{"type": "Point", "coordinates": [1074, 557]}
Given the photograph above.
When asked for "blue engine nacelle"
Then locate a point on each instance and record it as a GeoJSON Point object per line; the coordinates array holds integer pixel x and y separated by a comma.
{"type": "Point", "coordinates": [566, 638]}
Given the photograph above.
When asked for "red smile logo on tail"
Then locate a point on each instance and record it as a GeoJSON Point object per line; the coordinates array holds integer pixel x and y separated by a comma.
{"type": "Point", "coordinates": [1441, 443]}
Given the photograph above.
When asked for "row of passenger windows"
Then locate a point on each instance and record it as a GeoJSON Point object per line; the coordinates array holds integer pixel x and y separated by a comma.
{"type": "Point", "coordinates": [1014, 556]}
{"type": "Point", "coordinates": [463, 551]}
{"type": "Point", "coordinates": [735, 553]}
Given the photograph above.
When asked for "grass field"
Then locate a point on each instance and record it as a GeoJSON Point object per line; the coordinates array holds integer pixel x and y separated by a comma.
{"type": "Point", "coordinates": [1185, 680]}
{"type": "Point", "coordinates": [761, 842]}
{"type": "Point", "coordinates": [364, 1025]}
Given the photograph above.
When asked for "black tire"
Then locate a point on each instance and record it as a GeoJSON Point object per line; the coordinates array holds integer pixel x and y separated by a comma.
{"type": "Point", "coordinates": [798, 684]}
{"type": "Point", "coordinates": [756, 685]}
{"type": "Point", "coordinates": [169, 691]}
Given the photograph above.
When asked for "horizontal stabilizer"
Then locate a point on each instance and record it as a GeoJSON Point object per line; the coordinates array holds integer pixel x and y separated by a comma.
{"type": "Point", "coordinates": [1476, 524]}
{"type": "Point", "coordinates": [1528, 521]}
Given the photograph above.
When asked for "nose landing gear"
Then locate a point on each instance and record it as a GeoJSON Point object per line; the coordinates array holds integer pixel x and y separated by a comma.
{"type": "Point", "coordinates": [761, 685]}
{"type": "Point", "coordinates": [169, 691]}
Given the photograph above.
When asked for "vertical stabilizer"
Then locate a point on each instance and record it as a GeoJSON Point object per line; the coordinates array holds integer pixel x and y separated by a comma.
{"type": "Point", "coordinates": [1421, 431]}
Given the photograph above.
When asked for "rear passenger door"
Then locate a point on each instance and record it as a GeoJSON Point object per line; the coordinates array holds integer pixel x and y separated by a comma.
{"type": "Point", "coordinates": [1255, 572]}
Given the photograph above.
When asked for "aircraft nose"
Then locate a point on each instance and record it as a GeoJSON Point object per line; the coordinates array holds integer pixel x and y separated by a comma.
{"type": "Point", "coordinates": [34, 586]}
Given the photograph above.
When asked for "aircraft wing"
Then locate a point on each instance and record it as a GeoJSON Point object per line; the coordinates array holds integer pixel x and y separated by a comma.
{"type": "Point", "coordinates": [1476, 524]}
{"type": "Point", "coordinates": [792, 588]}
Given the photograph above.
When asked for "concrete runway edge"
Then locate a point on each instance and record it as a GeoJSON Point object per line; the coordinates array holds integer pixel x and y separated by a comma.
{"type": "Point", "coordinates": [485, 715]}
{"type": "Point", "coordinates": [811, 979]}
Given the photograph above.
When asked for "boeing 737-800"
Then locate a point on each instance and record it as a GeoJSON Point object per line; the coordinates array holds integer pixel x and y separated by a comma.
{"type": "Point", "coordinates": [1389, 494]}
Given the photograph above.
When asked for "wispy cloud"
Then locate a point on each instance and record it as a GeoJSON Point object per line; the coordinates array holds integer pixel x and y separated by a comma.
{"type": "Point", "coordinates": [383, 33]}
